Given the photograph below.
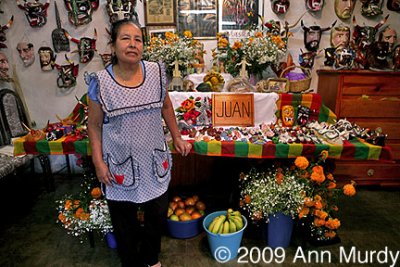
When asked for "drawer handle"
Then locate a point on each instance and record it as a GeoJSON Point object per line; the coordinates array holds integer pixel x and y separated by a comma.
{"type": "Point", "coordinates": [370, 172]}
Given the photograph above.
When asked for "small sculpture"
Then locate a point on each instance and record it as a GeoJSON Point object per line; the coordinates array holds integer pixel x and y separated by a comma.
{"type": "Point", "coordinates": [314, 5]}
{"type": "Point", "coordinates": [344, 8]}
{"type": "Point", "coordinates": [3, 32]}
{"type": "Point", "coordinates": [35, 12]}
{"type": "Point", "coordinates": [340, 36]}
{"type": "Point", "coordinates": [280, 6]}
{"type": "Point", "coordinates": [67, 74]}
{"type": "Point", "coordinates": [312, 35]}
{"type": "Point", "coordinates": [388, 35]}
{"type": "Point", "coordinates": [86, 47]}
{"type": "Point", "coordinates": [4, 68]}
{"type": "Point", "coordinates": [26, 53]}
{"type": "Point", "coordinates": [47, 58]}
{"type": "Point", "coordinates": [371, 8]}
{"type": "Point", "coordinates": [80, 11]}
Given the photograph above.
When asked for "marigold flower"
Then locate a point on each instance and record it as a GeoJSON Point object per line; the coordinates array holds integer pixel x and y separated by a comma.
{"type": "Point", "coordinates": [257, 215]}
{"type": "Point", "coordinates": [62, 218]}
{"type": "Point", "coordinates": [304, 212]}
{"type": "Point", "coordinates": [305, 174]}
{"type": "Point", "coordinates": [318, 205]}
{"type": "Point", "coordinates": [247, 199]}
{"type": "Point", "coordinates": [188, 104]}
{"type": "Point", "coordinates": [77, 203]}
{"type": "Point", "coordinates": [317, 174]}
{"type": "Point", "coordinates": [330, 234]}
{"type": "Point", "coordinates": [188, 34]}
{"type": "Point", "coordinates": [308, 202]}
{"type": "Point", "coordinates": [68, 204]}
{"type": "Point", "coordinates": [279, 178]}
{"type": "Point", "coordinates": [237, 45]}
{"type": "Point", "coordinates": [317, 197]}
{"type": "Point", "coordinates": [258, 34]}
{"type": "Point", "coordinates": [349, 189]}
{"type": "Point", "coordinates": [321, 214]}
{"type": "Point", "coordinates": [301, 163]}
{"type": "Point", "coordinates": [332, 224]}
{"type": "Point", "coordinates": [324, 154]}
{"type": "Point", "coordinates": [331, 185]}
{"type": "Point", "coordinates": [319, 222]}
{"type": "Point", "coordinates": [96, 193]}
{"type": "Point", "coordinates": [330, 177]}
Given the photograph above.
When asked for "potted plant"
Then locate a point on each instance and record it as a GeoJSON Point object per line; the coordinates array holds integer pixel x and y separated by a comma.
{"type": "Point", "coordinates": [306, 189]}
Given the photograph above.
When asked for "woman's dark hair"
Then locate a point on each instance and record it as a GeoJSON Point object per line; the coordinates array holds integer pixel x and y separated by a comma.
{"type": "Point", "coordinates": [114, 33]}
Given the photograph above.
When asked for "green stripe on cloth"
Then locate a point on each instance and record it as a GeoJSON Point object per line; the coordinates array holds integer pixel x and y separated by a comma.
{"type": "Point", "coordinates": [42, 147]}
{"type": "Point", "coordinates": [201, 147]}
{"type": "Point", "coordinates": [214, 148]}
{"type": "Point", "coordinates": [295, 150]}
{"type": "Point", "coordinates": [335, 151]}
{"type": "Point", "coordinates": [327, 115]}
{"type": "Point", "coordinates": [361, 150]}
{"type": "Point", "coordinates": [281, 150]}
{"type": "Point", "coordinates": [82, 147]}
{"type": "Point", "coordinates": [56, 147]}
{"type": "Point", "coordinates": [255, 150]}
{"type": "Point", "coordinates": [241, 149]}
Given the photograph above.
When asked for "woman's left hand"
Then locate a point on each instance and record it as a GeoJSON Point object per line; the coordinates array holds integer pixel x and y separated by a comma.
{"type": "Point", "coordinates": [182, 147]}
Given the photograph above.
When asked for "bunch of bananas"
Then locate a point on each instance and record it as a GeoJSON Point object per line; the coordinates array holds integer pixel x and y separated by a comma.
{"type": "Point", "coordinates": [215, 80]}
{"type": "Point", "coordinates": [226, 224]}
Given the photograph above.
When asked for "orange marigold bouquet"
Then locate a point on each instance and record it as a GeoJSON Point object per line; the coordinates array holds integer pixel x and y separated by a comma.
{"type": "Point", "coordinates": [305, 190]}
{"type": "Point", "coordinates": [85, 211]}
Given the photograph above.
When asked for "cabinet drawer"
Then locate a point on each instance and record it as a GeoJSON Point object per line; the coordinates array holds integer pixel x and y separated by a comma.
{"type": "Point", "coordinates": [371, 85]}
{"type": "Point", "coordinates": [373, 108]}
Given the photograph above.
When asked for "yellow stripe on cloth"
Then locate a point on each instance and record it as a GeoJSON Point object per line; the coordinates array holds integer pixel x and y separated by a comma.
{"type": "Point", "coordinates": [56, 147]}
{"type": "Point", "coordinates": [214, 148]}
{"type": "Point", "coordinates": [306, 100]}
{"type": "Point", "coordinates": [255, 150]}
{"type": "Point", "coordinates": [335, 151]}
{"type": "Point", "coordinates": [295, 150]}
{"type": "Point", "coordinates": [374, 151]}
{"type": "Point", "coordinates": [19, 146]}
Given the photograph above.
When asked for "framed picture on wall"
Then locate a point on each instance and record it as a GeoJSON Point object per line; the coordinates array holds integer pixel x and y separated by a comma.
{"type": "Point", "coordinates": [236, 16]}
{"type": "Point", "coordinates": [160, 12]}
{"type": "Point", "coordinates": [198, 16]}
{"type": "Point", "coordinates": [159, 31]}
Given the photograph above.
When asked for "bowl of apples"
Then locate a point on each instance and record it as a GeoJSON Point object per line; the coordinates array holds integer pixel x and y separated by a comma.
{"type": "Point", "coordinates": [185, 216]}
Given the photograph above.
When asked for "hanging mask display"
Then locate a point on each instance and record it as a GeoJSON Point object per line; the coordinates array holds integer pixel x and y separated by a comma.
{"type": "Point", "coordinates": [344, 8]}
{"type": "Point", "coordinates": [35, 12]}
{"type": "Point", "coordinates": [3, 32]}
{"type": "Point", "coordinates": [340, 36]}
{"type": "Point", "coordinates": [363, 36]}
{"type": "Point", "coordinates": [314, 5]}
{"type": "Point", "coordinates": [106, 58]}
{"type": "Point", "coordinates": [60, 41]}
{"type": "Point", "coordinates": [47, 58]}
{"type": "Point", "coordinates": [396, 58]}
{"type": "Point", "coordinates": [393, 5]}
{"type": "Point", "coordinates": [280, 6]}
{"type": "Point", "coordinates": [388, 35]}
{"type": "Point", "coordinates": [306, 59]}
{"type": "Point", "coordinates": [344, 58]}
{"type": "Point", "coordinates": [371, 8]}
{"type": "Point", "coordinates": [121, 9]}
{"type": "Point", "coordinates": [4, 67]}
{"type": "Point", "coordinates": [329, 56]}
{"type": "Point", "coordinates": [86, 47]}
{"type": "Point", "coordinates": [378, 54]}
{"type": "Point", "coordinates": [67, 74]}
{"type": "Point", "coordinates": [26, 53]}
{"type": "Point", "coordinates": [80, 11]}
{"type": "Point", "coordinates": [312, 35]}
{"type": "Point", "coordinates": [288, 115]}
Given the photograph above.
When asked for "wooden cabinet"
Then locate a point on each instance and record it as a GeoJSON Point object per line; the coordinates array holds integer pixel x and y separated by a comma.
{"type": "Point", "coordinates": [369, 99]}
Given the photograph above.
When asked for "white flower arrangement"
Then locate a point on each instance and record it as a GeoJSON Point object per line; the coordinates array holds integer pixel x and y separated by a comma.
{"type": "Point", "coordinates": [270, 192]}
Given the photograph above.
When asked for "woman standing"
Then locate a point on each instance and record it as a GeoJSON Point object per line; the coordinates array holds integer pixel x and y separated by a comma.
{"type": "Point", "coordinates": [128, 101]}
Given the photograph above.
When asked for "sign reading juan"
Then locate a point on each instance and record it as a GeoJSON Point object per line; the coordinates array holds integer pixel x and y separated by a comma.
{"type": "Point", "coordinates": [232, 109]}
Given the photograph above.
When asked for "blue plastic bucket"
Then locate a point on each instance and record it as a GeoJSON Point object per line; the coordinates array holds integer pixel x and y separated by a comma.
{"type": "Point", "coordinates": [224, 247]}
{"type": "Point", "coordinates": [184, 229]}
{"type": "Point", "coordinates": [280, 227]}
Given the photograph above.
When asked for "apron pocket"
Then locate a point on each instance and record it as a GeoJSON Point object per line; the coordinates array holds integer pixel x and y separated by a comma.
{"type": "Point", "coordinates": [125, 174]}
{"type": "Point", "coordinates": [162, 162]}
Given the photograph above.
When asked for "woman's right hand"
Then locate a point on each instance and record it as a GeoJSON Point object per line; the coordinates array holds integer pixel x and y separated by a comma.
{"type": "Point", "coordinates": [103, 173]}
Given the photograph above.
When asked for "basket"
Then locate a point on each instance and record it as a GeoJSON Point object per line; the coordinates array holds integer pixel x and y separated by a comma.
{"type": "Point", "coordinates": [300, 85]}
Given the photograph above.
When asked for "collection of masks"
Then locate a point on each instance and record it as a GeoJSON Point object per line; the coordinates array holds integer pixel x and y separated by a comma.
{"type": "Point", "coordinates": [79, 13]}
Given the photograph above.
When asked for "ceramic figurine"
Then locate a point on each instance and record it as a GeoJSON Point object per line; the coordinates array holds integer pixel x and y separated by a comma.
{"type": "Point", "coordinates": [47, 58]}
{"type": "Point", "coordinates": [86, 47]}
{"type": "Point", "coordinates": [344, 8]}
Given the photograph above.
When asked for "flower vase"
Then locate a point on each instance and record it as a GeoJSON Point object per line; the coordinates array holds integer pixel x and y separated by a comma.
{"type": "Point", "coordinates": [280, 229]}
{"type": "Point", "coordinates": [111, 242]}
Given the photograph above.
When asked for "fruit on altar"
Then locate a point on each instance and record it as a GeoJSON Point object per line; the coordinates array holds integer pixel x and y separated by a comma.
{"type": "Point", "coordinates": [173, 217]}
{"type": "Point", "coordinates": [228, 223]}
{"type": "Point", "coordinates": [185, 209]}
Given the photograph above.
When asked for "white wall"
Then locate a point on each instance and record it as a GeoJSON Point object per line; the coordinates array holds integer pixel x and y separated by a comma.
{"type": "Point", "coordinates": [44, 99]}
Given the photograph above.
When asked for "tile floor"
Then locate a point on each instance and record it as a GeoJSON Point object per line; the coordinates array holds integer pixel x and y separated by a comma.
{"type": "Point", "coordinates": [29, 235]}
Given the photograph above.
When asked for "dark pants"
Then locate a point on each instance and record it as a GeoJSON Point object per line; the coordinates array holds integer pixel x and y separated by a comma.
{"type": "Point", "coordinates": [138, 229]}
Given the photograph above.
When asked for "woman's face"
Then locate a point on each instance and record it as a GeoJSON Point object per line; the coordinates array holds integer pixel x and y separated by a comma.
{"type": "Point", "coordinates": [128, 46]}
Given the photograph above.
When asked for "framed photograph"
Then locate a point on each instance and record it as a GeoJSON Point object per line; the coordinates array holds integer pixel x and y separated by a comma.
{"type": "Point", "coordinates": [235, 16]}
{"type": "Point", "coordinates": [278, 85]}
{"type": "Point", "coordinates": [159, 31]}
{"type": "Point", "coordinates": [160, 12]}
{"type": "Point", "coordinates": [198, 16]}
